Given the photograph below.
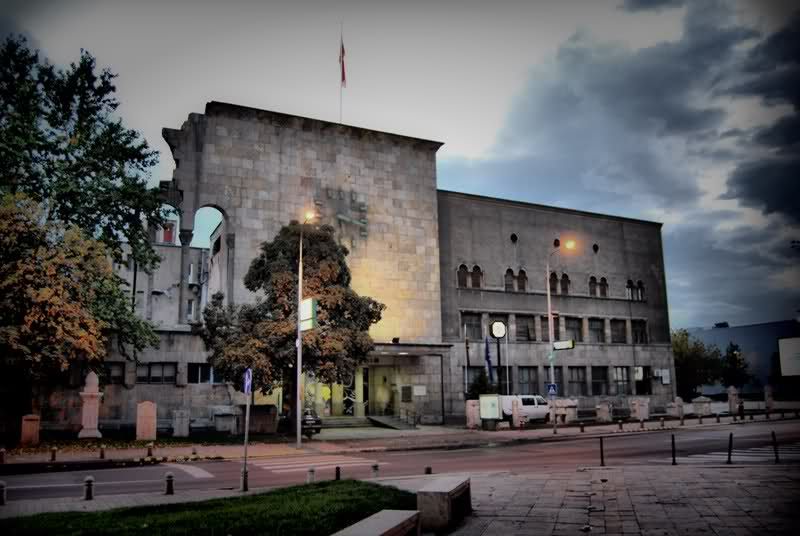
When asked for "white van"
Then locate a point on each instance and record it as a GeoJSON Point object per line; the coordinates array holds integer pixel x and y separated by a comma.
{"type": "Point", "coordinates": [532, 407]}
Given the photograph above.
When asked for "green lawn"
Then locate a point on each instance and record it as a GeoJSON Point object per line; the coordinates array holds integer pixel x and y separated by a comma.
{"type": "Point", "coordinates": [314, 509]}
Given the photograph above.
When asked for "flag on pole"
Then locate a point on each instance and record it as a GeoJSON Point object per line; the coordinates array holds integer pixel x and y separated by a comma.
{"type": "Point", "coordinates": [489, 362]}
{"type": "Point", "coordinates": [341, 61]}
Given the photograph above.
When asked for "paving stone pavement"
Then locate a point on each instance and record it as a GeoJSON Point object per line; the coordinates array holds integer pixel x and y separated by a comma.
{"type": "Point", "coordinates": [643, 500]}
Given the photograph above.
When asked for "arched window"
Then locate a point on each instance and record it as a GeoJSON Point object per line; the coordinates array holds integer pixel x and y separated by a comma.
{"type": "Point", "coordinates": [593, 286]}
{"type": "Point", "coordinates": [463, 272]}
{"type": "Point", "coordinates": [509, 280]}
{"type": "Point", "coordinates": [640, 290]}
{"type": "Point", "coordinates": [564, 284]}
{"type": "Point", "coordinates": [522, 281]}
{"type": "Point", "coordinates": [553, 283]}
{"type": "Point", "coordinates": [476, 276]}
{"type": "Point", "coordinates": [629, 290]}
{"type": "Point", "coordinates": [603, 287]}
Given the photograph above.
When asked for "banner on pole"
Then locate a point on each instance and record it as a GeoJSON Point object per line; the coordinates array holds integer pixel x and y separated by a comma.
{"type": "Point", "coordinates": [248, 381]}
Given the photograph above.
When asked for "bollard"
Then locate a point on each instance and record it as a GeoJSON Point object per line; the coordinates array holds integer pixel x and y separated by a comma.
{"type": "Point", "coordinates": [734, 417]}
{"type": "Point", "coordinates": [428, 470]}
{"type": "Point", "coordinates": [102, 452]}
{"type": "Point", "coordinates": [717, 418]}
{"type": "Point", "coordinates": [641, 424]}
{"type": "Point", "coordinates": [150, 450]}
{"type": "Point", "coordinates": [194, 451]}
{"type": "Point", "coordinates": [730, 448]}
{"type": "Point", "coordinates": [88, 488]}
{"type": "Point", "coordinates": [374, 470]}
{"type": "Point", "coordinates": [243, 484]}
{"type": "Point", "coordinates": [767, 414]}
{"type": "Point", "coordinates": [775, 447]}
{"type": "Point", "coordinates": [53, 454]}
{"type": "Point", "coordinates": [338, 473]}
{"type": "Point", "coordinates": [751, 416]}
{"type": "Point", "coordinates": [662, 422]}
{"type": "Point", "coordinates": [619, 423]}
{"type": "Point", "coordinates": [169, 484]}
{"type": "Point", "coordinates": [2, 493]}
{"type": "Point", "coordinates": [2, 455]}
{"type": "Point", "coordinates": [700, 419]}
{"type": "Point", "coordinates": [581, 427]}
{"type": "Point", "coordinates": [681, 420]}
{"type": "Point", "coordinates": [602, 454]}
{"type": "Point", "coordinates": [311, 475]}
{"type": "Point", "coordinates": [796, 413]}
{"type": "Point", "coordinates": [783, 414]}
{"type": "Point", "coordinates": [674, 462]}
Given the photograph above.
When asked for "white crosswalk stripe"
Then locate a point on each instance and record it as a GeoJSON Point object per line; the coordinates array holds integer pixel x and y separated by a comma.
{"type": "Point", "coordinates": [765, 454]}
{"type": "Point", "coordinates": [303, 463]}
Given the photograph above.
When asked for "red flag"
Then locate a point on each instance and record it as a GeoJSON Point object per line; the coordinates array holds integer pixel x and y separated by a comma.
{"type": "Point", "coordinates": [341, 63]}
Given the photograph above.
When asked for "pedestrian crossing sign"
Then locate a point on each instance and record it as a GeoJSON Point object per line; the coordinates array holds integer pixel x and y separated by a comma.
{"type": "Point", "coordinates": [552, 389]}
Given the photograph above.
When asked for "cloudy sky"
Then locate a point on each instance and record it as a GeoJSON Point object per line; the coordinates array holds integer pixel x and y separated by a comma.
{"type": "Point", "coordinates": [674, 111]}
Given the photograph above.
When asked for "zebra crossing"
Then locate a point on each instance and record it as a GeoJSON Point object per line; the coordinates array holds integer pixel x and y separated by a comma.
{"type": "Point", "coordinates": [765, 454]}
{"type": "Point", "coordinates": [296, 464]}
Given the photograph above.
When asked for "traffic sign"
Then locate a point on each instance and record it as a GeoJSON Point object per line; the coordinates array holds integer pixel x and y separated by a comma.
{"type": "Point", "coordinates": [248, 381]}
{"type": "Point", "coordinates": [552, 389]}
{"type": "Point", "coordinates": [564, 345]}
{"type": "Point", "coordinates": [308, 314]}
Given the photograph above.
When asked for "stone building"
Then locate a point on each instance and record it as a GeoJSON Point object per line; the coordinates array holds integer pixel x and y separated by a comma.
{"type": "Point", "coordinates": [445, 264]}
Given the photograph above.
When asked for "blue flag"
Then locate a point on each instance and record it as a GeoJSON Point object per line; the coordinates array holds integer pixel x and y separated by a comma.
{"type": "Point", "coordinates": [489, 362]}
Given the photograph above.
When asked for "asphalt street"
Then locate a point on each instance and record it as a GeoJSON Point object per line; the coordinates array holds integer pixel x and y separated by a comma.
{"type": "Point", "coordinates": [707, 446]}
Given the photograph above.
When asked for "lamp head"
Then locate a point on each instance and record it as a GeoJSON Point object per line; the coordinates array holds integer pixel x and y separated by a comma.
{"type": "Point", "coordinates": [310, 215]}
{"type": "Point", "coordinates": [569, 244]}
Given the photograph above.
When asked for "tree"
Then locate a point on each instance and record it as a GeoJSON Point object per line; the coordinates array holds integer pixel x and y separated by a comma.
{"type": "Point", "coordinates": [734, 367]}
{"type": "Point", "coordinates": [59, 299]}
{"type": "Point", "coordinates": [62, 146]}
{"type": "Point", "coordinates": [262, 335]}
{"type": "Point", "coordinates": [481, 386]}
{"type": "Point", "coordinates": [695, 363]}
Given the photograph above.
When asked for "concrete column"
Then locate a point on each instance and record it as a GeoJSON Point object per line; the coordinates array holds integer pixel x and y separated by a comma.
{"type": "Point", "coordinates": [183, 293]}
{"type": "Point", "coordinates": [230, 242]}
{"type": "Point", "coordinates": [589, 378]}
{"type": "Point", "coordinates": [607, 329]}
{"type": "Point", "coordinates": [484, 326]}
{"type": "Point", "coordinates": [512, 327]}
{"type": "Point", "coordinates": [585, 329]}
{"type": "Point", "coordinates": [537, 325]}
{"type": "Point", "coordinates": [628, 331]}
{"type": "Point", "coordinates": [359, 407]}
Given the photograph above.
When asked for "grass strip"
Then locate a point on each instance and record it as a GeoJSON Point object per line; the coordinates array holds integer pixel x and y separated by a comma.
{"type": "Point", "coordinates": [319, 509]}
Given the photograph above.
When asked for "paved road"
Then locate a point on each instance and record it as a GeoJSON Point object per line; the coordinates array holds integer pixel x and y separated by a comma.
{"type": "Point", "coordinates": [694, 446]}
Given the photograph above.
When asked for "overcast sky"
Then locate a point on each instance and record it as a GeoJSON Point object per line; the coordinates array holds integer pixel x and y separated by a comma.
{"type": "Point", "coordinates": [679, 112]}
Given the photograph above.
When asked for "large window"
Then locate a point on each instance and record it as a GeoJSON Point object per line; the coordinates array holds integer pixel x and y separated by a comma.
{"type": "Point", "coordinates": [503, 376]}
{"type": "Point", "coordinates": [522, 281]}
{"type": "Point", "coordinates": [574, 329]}
{"type": "Point", "coordinates": [155, 373]}
{"type": "Point", "coordinates": [472, 326]}
{"type": "Point", "coordinates": [577, 381]}
{"type": "Point", "coordinates": [509, 280]}
{"type": "Point", "coordinates": [639, 329]}
{"type": "Point", "coordinates": [528, 380]}
{"type": "Point", "coordinates": [603, 287]}
{"type": "Point", "coordinates": [622, 381]}
{"type": "Point", "coordinates": [461, 276]}
{"type": "Point", "coordinates": [644, 385]}
{"type": "Point", "coordinates": [526, 328]}
{"type": "Point", "coordinates": [474, 372]}
{"type": "Point", "coordinates": [599, 381]}
{"type": "Point", "coordinates": [597, 330]}
{"type": "Point", "coordinates": [553, 283]}
{"type": "Point", "coordinates": [201, 373]}
{"type": "Point", "coordinates": [618, 331]}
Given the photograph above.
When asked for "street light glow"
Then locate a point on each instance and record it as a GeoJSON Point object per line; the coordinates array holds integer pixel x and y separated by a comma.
{"type": "Point", "coordinates": [310, 215]}
{"type": "Point", "coordinates": [570, 244]}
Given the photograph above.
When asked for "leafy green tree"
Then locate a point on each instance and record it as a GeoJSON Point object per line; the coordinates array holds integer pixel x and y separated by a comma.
{"type": "Point", "coordinates": [62, 146]}
{"type": "Point", "coordinates": [60, 300]}
{"type": "Point", "coordinates": [481, 386]}
{"type": "Point", "coordinates": [735, 369]}
{"type": "Point", "coordinates": [695, 364]}
{"type": "Point", "coordinates": [262, 336]}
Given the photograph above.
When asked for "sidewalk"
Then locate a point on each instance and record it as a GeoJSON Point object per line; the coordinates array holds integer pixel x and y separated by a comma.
{"type": "Point", "coordinates": [375, 440]}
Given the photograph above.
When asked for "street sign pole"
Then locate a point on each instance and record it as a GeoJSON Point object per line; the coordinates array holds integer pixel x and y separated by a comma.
{"type": "Point", "coordinates": [248, 384]}
{"type": "Point", "coordinates": [551, 338]}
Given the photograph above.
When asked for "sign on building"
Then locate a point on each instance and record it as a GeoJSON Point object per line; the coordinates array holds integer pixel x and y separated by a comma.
{"type": "Point", "coordinates": [564, 345]}
{"type": "Point", "coordinates": [308, 314]}
{"type": "Point", "coordinates": [789, 350]}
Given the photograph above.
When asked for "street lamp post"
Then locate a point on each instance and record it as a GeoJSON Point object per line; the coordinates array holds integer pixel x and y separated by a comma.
{"type": "Point", "coordinates": [299, 341]}
{"type": "Point", "coordinates": [550, 331]}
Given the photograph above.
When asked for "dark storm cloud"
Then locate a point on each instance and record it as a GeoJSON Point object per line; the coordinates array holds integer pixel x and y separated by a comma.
{"type": "Point", "coordinates": [772, 185]}
{"type": "Point", "coordinates": [646, 5]}
{"type": "Point", "coordinates": [783, 134]}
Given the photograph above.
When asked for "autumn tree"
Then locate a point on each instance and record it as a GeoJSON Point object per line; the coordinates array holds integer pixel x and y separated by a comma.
{"type": "Point", "coordinates": [262, 335]}
{"type": "Point", "coordinates": [61, 144]}
{"type": "Point", "coordinates": [60, 300]}
{"type": "Point", "coordinates": [695, 363]}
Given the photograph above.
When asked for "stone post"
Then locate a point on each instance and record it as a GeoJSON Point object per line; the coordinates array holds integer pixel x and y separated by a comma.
{"type": "Point", "coordinates": [515, 413]}
{"type": "Point", "coordinates": [358, 404]}
{"type": "Point", "coordinates": [702, 406]}
{"type": "Point", "coordinates": [145, 421]}
{"type": "Point", "coordinates": [180, 423]}
{"type": "Point", "coordinates": [91, 407]}
{"type": "Point", "coordinates": [473, 414]}
{"type": "Point", "coordinates": [30, 430]}
{"type": "Point", "coordinates": [603, 411]}
{"type": "Point", "coordinates": [733, 400]}
{"type": "Point", "coordinates": [769, 402]}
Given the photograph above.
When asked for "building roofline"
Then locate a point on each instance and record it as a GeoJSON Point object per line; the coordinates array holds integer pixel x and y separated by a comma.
{"type": "Point", "coordinates": [525, 204]}
{"type": "Point", "coordinates": [226, 108]}
{"type": "Point", "coordinates": [712, 328]}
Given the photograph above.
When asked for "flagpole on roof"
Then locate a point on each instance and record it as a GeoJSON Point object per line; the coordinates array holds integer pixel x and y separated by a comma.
{"type": "Point", "coordinates": [343, 79]}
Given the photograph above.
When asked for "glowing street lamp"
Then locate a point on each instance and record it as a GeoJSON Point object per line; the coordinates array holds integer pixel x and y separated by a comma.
{"type": "Point", "coordinates": [299, 342]}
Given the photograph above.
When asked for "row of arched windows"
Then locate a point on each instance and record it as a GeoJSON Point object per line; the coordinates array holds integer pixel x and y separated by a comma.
{"type": "Point", "coordinates": [519, 283]}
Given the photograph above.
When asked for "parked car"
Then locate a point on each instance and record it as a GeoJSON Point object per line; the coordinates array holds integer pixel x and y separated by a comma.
{"type": "Point", "coordinates": [532, 407]}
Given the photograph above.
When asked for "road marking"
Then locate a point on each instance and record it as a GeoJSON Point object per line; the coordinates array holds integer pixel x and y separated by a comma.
{"type": "Point", "coordinates": [321, 467]}
{"type": "Point", "coordinates": [303, 463]}
{"type": "Point", "coordinates": [115, 483]}
{"type": "Point", "coordinates": [192, 470]}
{"type": "Point", "coordinates": [764, 454]}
